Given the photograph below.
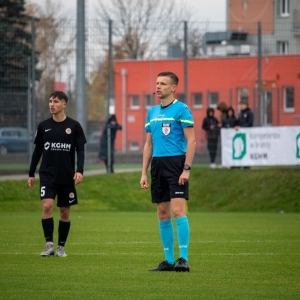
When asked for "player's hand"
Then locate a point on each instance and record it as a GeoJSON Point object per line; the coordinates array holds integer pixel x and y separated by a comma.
{"type": "Point", "coordinates": [144, 182]}
{"type": "Point", "coordinates": [78, 177]}
{"type": "Point", "coordinates": [30, 182]}
{"type": "Point", "coordinates": [184, 177]}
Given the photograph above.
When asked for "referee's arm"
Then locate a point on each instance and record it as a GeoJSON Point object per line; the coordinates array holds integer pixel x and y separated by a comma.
{"type": "Point", "coordinates": [147, 155]}
{"type": "Point", "coordinates": [191, 145]}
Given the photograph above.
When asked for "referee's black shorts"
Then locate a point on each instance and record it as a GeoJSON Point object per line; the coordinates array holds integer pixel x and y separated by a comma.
{"type": "Point", "coordinates": [165, 173]}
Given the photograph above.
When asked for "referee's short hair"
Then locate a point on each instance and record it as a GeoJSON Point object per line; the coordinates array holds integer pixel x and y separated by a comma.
{"type": "Point", "coordinates": [60, 95]}
{"type": "Point", "coordinates": [173, 76]}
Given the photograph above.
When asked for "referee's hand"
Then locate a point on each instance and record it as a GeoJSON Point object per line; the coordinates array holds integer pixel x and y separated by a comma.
{"type": "Point", "coordinates": [78, 177]}
{"type": "Point", "coordinates": [184, 177]}
{"type": "Point", "coordinates": [144, 182]}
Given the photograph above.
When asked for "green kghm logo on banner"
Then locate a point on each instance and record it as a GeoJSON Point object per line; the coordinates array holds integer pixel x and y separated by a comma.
{"type": "Point", "coordinates": [239, 146]}
{"type": "Point", "coordinates": [298, 146]}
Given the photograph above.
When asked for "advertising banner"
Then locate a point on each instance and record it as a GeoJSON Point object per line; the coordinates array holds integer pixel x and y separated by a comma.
{"type": "Point", "coordinates": [261, 146]}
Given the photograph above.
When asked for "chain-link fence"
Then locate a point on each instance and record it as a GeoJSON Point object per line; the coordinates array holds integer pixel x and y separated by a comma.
{"type": "Point", "coordinates": [42, 58]}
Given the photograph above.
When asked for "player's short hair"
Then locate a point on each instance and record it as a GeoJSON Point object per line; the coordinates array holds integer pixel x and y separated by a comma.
{"type": "Point", "coordinates": [173, 76]}
{"type": "Point", "coordinates": [60, 95]}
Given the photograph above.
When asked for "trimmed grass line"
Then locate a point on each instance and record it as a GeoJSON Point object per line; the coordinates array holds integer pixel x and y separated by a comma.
{"type": "Point", "coordinates": [143, 254]}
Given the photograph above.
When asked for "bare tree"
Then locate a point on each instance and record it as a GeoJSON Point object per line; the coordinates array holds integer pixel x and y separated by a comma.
{"type": "Point", "coordinates": [55, 44]}
{"type": "Point", "coordinates": [195, 31]}
{"type": "Point", "coordinates": [139, 24]}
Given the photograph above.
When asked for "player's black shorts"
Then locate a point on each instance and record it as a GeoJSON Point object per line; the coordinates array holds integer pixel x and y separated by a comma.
{"type": "Point", "coordinates": [66, 194]}
{"type": "Point", "coordinates": [165, 173]}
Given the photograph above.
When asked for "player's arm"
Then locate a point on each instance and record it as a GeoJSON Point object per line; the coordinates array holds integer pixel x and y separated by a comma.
{"type": "Point", "coordinates": [78, 176]}
{"type": "Point", "coordinates": [190, 152]}
{"type": "Point", "coordinates": [147, 155]}
{"type": "Point", "coordinates": [36, 156]}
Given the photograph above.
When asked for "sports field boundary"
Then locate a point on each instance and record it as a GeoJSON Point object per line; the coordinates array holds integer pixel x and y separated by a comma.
{"type": "Point", "coordinates": [86, 173]}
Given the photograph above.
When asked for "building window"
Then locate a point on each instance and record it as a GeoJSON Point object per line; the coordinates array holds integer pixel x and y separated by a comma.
{"type": "Point", "coordinates": [180, 97]}
{"type": "Point", "coordinates": [197, 100]}
{"type": "Point", "coordinates": [283, 47]}
{"type": "Point", "coordinates": [134, 102]}
{"type": "Point", "coordinates": [283, 8]}
{"type": "Point", "coordinates": [243, 94]}
{"type": "Point", "coordinates": [213, 99]}
{"type": "Point", "coordinates": [134, 146]}
{"type": "Point", "coordinates": [149, 100]}
{"type": "Point", "coordinates": [289, 99]}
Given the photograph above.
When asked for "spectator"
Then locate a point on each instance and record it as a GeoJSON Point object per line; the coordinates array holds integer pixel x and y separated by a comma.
{"type": "Point", "coordinates": [246, 116]}
{"type": "Point", "coordinates": [211, 126]}
{"type": "Point", "coordinates": [222, 107]}
{"type": "Point", "coordinates": [103, 152]}
{"type": "Point", "coordinates": [230, 121]}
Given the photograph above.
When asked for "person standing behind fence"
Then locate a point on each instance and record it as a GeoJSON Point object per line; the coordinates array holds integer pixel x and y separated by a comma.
{"type": "Point", "coordinates": [245, 119]}
{"type": "Point", "coordinates": [246, 116]}
{"type": "Point", "coordinates": [222, 108]}
{"type": "Point", "coordinates": [230, 121]}
{"type": "Point", "coordinates": [211, 127]}
{"type": "Point", "coordinates": [104, 143]}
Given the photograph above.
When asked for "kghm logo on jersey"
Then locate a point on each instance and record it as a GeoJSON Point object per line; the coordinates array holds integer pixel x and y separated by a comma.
{"type": "Point", "coordinates": [166, 128]}
{"type": "Point", "coordinates": [68, 131]}
{"type": "Point", "coordinates": [47, 145]}
{"type": "Point", "coordinates": [57, 146]}
{"type": "Point", "coordinates": [71, 195]}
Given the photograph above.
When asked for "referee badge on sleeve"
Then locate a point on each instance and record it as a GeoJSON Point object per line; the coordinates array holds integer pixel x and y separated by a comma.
{"type": "Point", "coordinates": [166, 128]}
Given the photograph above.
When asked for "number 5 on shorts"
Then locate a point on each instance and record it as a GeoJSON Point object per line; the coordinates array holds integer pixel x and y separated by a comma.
{"type": "Point", "coordinates": [43, 191]}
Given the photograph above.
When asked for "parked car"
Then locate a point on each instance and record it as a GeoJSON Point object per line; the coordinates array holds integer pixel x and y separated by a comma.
{"type": "Point", "coordinates": [93, 142]}
{"type": "Point", "coordinates": [13, 139]}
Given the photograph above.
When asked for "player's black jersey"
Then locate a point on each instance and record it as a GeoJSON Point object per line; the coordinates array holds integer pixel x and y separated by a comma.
{"type": "Point", "coordinates": [59, 140]}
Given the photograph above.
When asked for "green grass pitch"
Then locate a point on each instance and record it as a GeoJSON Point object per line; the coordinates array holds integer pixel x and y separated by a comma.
{"type": "Point", "coordinates": [232, 256]}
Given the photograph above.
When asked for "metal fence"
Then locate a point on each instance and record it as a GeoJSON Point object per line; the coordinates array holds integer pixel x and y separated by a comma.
{"type": "Point", "coordinates": [47, 61]}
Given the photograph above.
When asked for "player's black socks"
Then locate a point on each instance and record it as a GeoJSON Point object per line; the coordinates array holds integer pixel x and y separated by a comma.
{"type": "Point", "coordinates": [63, 232]}
{"type": "Point", "coordinates": [48, 227]}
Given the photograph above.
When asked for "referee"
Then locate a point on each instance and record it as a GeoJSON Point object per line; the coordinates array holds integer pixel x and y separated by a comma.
{"type": "Point", "coordinates": [170, 147]}
{"type": "Point", "coordinates": [57, 139]}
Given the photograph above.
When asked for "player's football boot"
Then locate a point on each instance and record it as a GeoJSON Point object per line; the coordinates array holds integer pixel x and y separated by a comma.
{"type": "Point", "coordinates": [164, 266]}
{"type": "Point", "coordinates": [182, 265]}
{"type": "Point", "coordinates": [49, 250]}
{"type": "Point", "coordinates": [60, 251]}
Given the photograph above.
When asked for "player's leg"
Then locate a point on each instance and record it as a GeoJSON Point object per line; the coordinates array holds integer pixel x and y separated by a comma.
{"type": "Point", "coordinates": [166, 230]}
{"type": "Point", "coordinates": [66, 197]}
{"type": "Point", "coordinates": [47, 219]}
{"type": "Point", "coordinates": [48, 194]}
{"type": "Point", "coordinates": [183, 232]}
{"type": "Point", "coordinates": [48, 226]}
{"type": "Point", "coordinates": [160, 196]}
{"type": "Point", "coordinates": [179, 195]}
{"type": "Point", "coordinates": [167, 236]}
{"type": "Point", "coordinates": [63, 230]}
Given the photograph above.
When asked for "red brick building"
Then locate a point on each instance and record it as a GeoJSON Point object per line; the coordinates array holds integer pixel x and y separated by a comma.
{"type": "Point", "coordinates": [210, 80]}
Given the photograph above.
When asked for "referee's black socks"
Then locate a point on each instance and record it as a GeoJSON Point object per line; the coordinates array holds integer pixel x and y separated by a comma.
{"type": "Point", "coordinates": [48, 227]}
{"type": "Point", "coordinates": [63, 232]}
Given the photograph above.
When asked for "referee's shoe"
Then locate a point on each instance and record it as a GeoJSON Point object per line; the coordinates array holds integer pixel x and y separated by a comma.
{"type": "Point", "coordinates": [182, 265]}
{"type": "Point", "coordinates": [164, 266]}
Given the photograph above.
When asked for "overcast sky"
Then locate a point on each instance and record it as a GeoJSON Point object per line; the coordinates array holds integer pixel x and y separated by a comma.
{"type": "Point", "coordinates": [204, 10]}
